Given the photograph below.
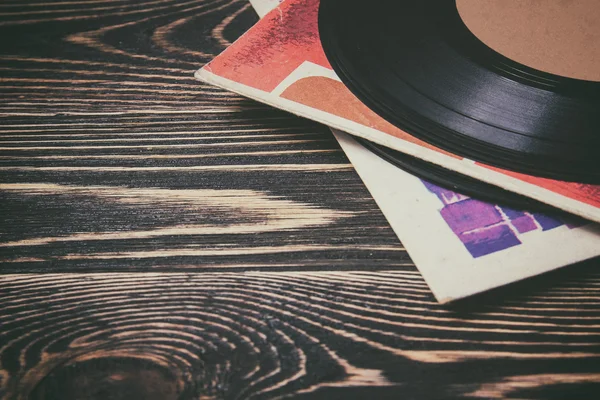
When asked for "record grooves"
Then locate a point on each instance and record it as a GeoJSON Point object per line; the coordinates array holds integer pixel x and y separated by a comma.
{"type": "Point", "coordinates": [455, 181]}
{"type": "Point", "coordinates": [417, 65]}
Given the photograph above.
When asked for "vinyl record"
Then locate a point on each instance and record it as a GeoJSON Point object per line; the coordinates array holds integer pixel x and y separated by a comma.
{"type": "Point", "coordinates": [417, 65]}
{"type": "Point", "coordinates": [455, 181]}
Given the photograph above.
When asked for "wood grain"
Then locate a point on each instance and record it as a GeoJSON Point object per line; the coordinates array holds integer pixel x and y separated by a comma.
{"type": "Point", "coordinates": [113, 157]}
{"type": "Point", "coordinates": [162, 239]}
{"type": "Point", "coordinates": [315, 334]}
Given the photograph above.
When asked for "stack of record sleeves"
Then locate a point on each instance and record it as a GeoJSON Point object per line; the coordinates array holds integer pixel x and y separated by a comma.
{"type": "Point", "coordinates": [474, 124]}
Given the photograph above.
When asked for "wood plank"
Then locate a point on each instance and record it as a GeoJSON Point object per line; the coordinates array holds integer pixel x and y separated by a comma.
{"type": "Point", "coordinates": [243, 189]}
{"type": "Point", "coordinates": [315, 334]}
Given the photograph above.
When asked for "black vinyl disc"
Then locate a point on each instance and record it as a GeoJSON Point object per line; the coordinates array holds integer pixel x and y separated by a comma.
{"type": "Point", "coordinates": [417, 65]}
{"type": "Point", "coordinates": [455, 181]}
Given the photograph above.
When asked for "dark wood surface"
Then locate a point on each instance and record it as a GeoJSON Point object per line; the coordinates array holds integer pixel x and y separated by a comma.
{"type": "Point", "coordinates": [164, 239]}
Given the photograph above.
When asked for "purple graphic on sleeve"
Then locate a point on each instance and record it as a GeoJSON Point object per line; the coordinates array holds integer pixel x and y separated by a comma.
{"type": "Point", "coordinates": [521, 220]}
{"type": "Point", "coordinates": [486, 228]}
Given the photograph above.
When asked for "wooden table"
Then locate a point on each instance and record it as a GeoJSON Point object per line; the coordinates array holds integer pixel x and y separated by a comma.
{"type": "Point", "coordinates": [163, 239]}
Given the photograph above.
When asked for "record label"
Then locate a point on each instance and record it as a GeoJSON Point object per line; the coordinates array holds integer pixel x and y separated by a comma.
{"type": "Point", "coordinates": [558, 37]}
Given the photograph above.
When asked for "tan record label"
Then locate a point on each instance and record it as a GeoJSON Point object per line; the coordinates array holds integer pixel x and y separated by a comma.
{"type": "Point", "coordinates": [557, 36]}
